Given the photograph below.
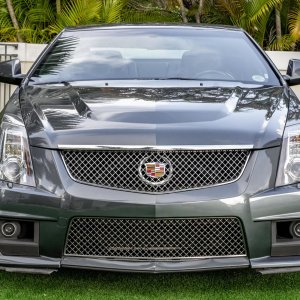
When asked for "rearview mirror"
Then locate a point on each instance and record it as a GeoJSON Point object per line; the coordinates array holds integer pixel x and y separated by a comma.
{"type": "Point", "coordinates": [293, 72]}
{"type": "Point", "coordinates": [10, 72]}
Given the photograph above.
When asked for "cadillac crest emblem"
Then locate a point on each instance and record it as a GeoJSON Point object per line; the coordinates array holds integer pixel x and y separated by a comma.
{"type": "Point", "coordinates": [155, 169]}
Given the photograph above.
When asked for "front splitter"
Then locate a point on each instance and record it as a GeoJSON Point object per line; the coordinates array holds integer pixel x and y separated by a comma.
{"type": "Point", "coordinates": [46, 265]}
{"type": "Point", "coordinates": [192, 265]}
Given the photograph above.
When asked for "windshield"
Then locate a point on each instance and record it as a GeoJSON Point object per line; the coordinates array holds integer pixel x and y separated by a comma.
{"type": "Point", "coordinates": [160, 53]}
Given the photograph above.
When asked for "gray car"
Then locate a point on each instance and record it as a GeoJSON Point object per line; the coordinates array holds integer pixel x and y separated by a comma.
{"type": "Point", "coordinates": [150, 148]}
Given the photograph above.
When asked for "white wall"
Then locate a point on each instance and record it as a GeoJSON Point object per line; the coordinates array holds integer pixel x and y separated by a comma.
{"type": "Point", "coordinates": [27, 53]}
{"type": "Point", "coordinates": [281, 60]}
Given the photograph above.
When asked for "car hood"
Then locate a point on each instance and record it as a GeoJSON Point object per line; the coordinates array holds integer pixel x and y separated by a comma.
{"type": "Point", "coordinates": [65, 115]}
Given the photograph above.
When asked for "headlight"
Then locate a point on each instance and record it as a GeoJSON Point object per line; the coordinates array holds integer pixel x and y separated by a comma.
{"type": "Point", "coordinates": [289, 165]}
{"type": "Point", "coordinates": [15, 163]}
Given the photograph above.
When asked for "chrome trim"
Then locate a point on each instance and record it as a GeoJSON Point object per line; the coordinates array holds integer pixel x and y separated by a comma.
{"type": "Point", "coordinates": [124, 258]}
{"type": "Point", "coordinates": [154, 147]}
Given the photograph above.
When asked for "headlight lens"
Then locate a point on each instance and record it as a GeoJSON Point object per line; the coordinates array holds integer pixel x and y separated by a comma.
{"type": "Point", "coordinates": [289, 165]}
{"type": "Point", "coordinates": [16, 165]}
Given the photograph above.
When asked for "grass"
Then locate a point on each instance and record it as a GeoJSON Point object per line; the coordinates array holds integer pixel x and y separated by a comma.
{"type": "Point", "coordinates": [77, 284]}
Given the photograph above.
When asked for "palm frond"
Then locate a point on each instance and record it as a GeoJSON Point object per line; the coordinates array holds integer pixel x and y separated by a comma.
{"type": "Point", "coordinates": [77, 12]}
{"type": "Point", "coordinates": [260, 28]}
{"type": "Point", "coordinates": [112, 10]}
{"type": "Point", "coordinates": [43, 12]}
{"type": "Point", "coordinates": [284, 44]}
{"type": "Point", "coordinates": [234, 8]}
{"type": "Point", "coordinates": [4, 18]}
{"type": "Point", "coordinates": [259, 8]}
{"type": "Point", "coordinates": [294, 23]}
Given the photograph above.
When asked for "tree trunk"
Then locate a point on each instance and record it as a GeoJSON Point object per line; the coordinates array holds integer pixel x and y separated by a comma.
{"type": "Point", "coordinates": [14, 20]}
{"type": "Point", "coordinates": [182, 11]}
{"type": "Point", "coordinates": [162, 4]}
{"type": "Point", "coordinates": [58, 7]}
{"type": "Point", "coordinates": [278, 24]}
{"type": "Point", "coordinates": [200, 11]}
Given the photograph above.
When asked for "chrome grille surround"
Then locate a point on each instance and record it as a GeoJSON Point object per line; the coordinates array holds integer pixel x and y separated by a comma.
{"type": "Point", "coordinates": [121, 169]}
{"type": "Point", "coordinates": [155, 239]}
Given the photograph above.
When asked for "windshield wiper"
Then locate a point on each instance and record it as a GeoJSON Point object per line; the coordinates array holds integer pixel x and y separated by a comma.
{"type": "Point", "coordinates": [177, 78]}
{"type": "Point", "coordinates": [66, 83]}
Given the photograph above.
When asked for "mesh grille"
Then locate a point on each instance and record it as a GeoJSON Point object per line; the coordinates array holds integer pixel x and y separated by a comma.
{"type": "Point", "coordinates": [183, 169]}
{"type": "Point", "coordinates": [155, 238]}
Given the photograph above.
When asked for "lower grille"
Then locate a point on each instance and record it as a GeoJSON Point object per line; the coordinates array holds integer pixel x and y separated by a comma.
{"type": "Point", "coordinates": [155, 238]}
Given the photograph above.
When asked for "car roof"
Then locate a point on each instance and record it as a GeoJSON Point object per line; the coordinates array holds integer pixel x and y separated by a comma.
{"type": "Point", "coordinates": [153, 25]}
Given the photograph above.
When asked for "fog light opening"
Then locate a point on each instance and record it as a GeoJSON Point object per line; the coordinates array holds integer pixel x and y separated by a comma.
{"type": "Point", "coordinates": [10, 229]}
{"type": "Point", "coordinates": [295, 229]}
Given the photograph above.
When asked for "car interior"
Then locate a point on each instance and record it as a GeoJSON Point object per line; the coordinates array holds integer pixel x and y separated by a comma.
{"type": "Point", "coordinates": [194, 64]}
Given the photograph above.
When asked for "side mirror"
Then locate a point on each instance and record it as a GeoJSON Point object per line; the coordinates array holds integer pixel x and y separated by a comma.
{"type": "Point", "coordinates": [10, 72]}
{"type": "Point", "coordinates": [293, 72]}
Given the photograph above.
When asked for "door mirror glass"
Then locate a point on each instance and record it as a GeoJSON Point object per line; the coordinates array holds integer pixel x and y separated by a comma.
{"type": "Point", "coordinates": [10, 72]}
{"type": "Point", "coordinates": [293, 72]}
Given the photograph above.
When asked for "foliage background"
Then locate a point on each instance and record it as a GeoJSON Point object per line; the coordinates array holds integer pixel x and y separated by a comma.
{"type": "Point", "coordinates": [275, 24]}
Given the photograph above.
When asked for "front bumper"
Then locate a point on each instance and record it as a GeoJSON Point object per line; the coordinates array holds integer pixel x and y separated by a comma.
{"type": "Point", "coordinates": [47, 265]}
{"type": "Point", "coordinates": [57, 199]}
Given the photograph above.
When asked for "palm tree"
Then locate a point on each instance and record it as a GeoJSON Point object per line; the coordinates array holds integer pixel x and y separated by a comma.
{"type": "Point", "coordinates": [251, 15]}
{"type": "Point", "coordinates": [58, 6]}
{"type": "Point", "coordinates": [282, 37]}
{"type": "Point", "coordinates": [182, 11]}
{"type": "Point", "coordinates": [14, 19]}
{"type": "Point", "coordinates": [200, 11]}
{"type": "Point", "coordinates": [278, 22]}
